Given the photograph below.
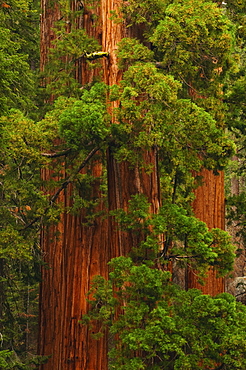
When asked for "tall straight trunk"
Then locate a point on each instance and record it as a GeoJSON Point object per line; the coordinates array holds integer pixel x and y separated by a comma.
{"type": "Point", "coordinates": [123, 180]}
{"type": "Point", "coordinates": [209, 207]}
{"type": "Point", "coordinates": [75, 253]}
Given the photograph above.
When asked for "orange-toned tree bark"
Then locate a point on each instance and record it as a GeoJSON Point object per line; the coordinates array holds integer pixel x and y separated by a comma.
{"type": "Point", "coordinates": [72, 252]}
{"type": "Point", "coordinates": [75, 253]}
{"type": "Point", "coordinates": [209, 206]}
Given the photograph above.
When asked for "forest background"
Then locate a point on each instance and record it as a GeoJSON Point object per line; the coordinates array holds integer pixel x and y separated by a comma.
{"type": "Point", "coordinates": [181, 100]}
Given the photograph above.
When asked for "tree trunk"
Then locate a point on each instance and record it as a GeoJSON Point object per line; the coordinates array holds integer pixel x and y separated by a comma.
{"type": "Point", "coordinates": [75, 253]}
{"type": "Point", "coordinates": [209, 207]}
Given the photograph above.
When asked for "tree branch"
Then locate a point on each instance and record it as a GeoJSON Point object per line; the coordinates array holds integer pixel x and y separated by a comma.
{"type": "Point", "coordinates": [65, 184]}
{"type": "Point", "coordinates": [56, 155]}
{"type": "Point", "coordinates": [178, 257]}
{"type": "Point", "coordinates": [71, 177]}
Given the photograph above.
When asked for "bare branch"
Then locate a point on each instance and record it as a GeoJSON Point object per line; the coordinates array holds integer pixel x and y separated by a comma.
{"type": "Point", "coordinates": [56, 155]}
{"type": "Point", "coordinates": [178, 257]}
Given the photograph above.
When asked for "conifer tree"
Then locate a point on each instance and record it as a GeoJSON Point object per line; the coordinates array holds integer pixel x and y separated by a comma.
{"type": "Point", "coordinates": [159, 120]}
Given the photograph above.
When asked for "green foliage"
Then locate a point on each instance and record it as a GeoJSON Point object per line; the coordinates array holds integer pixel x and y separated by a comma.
{"type": "Point", "coordinates": [158, 326]}
{"type": "Point", "coordinates": [195, 39]}
{"type": "Point", "coordinates": [236, 215]}
{"type": "Point", "coordinates": [22, 202]}
{"type": "Point", "coordinates": [145, 12]}
{"type": "Point", "coordinates": [131, 50]}
{"type": "Point", "coordinates": [19, 291]}
{"type": "Point", "coordinates": [236, 113]}
{"type": "Point", "coordinates": [21, 195]}
{"type": "Point", "coordinates": [184, 238]}
{"type": "Point", "coordinates": [15, 91]}
{"type": "Point", "coordinates": [18, 50]}
{"type": "Point", "coordinates": [68, 48]}
{"type": "Point", "coordinates": [235, 10]}
{"type": "Point", "coordinates": [185, 134]}
{"type": "Point", "coordinates": [10, 361]}
{"type": "Point", "coordinates": [85, 123]}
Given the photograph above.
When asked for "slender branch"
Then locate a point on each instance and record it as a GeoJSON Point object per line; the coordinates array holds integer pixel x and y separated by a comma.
{"type": "Point", "coordinates": [175, 186]}
{"type": "Point", "coordinates": [166, 243]}
{"type": "Point", "coordinates": [65, 184]}
{"type": "Point", "coordinates": [56, 155]}
{"type": "Point", "coordinates": [31, 223]}
{"type": "Point", "coordinates": [190, 86]}
{"type": "Point", "coordinates": [239, 294]}
{"type": "Point", "coordinates": [181, 257]}
{"type": "Point", "coordinates": [71, 177]}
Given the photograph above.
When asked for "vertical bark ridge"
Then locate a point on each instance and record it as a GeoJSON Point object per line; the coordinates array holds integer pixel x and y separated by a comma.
{"type": "Point", "coordinates": [74, 252]}
{"type": "Point", "coordinates": [81, 251]}
{"type": "Point", "coordinates": [209, 207]}
{"type": "Point", "coordinates": [112, 33]}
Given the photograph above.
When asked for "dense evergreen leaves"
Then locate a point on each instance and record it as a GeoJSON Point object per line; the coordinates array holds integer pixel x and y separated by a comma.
{"type": "Point", "coordinates": [68, 49]}
{"type": "Point", "coordinates": [86, 121]}
{"type": "Point", "coordinates": [195, 39]}
{"type": "Point", "coordinates": [159, 326]}
{"type": "Point", "coordinates": [178, 127]}
{"type": "Point", "coordinates": [186, 239]}
{"type": "Point", "coordinates": [18, 55]}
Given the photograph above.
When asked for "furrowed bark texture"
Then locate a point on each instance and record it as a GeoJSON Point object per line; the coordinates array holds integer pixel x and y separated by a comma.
{"type": "Point", "coordinates": [209, 207]}
{"type": "Point", "coordinates": [123, 180]}
{"type": "Point", "coordinates": [75, 253]}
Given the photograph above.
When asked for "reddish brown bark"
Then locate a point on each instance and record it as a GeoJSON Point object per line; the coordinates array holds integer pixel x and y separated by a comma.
{"type": "Point", "coordinates": [123, 180]}
{"type": "Point", "coordinates": [209, 206]}
{"type": "Point", "coordinates": [75, 253]}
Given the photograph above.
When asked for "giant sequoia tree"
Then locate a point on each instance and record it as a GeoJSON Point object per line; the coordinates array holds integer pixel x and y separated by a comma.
{"type": "Point", "coordinates": [140, 114]}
